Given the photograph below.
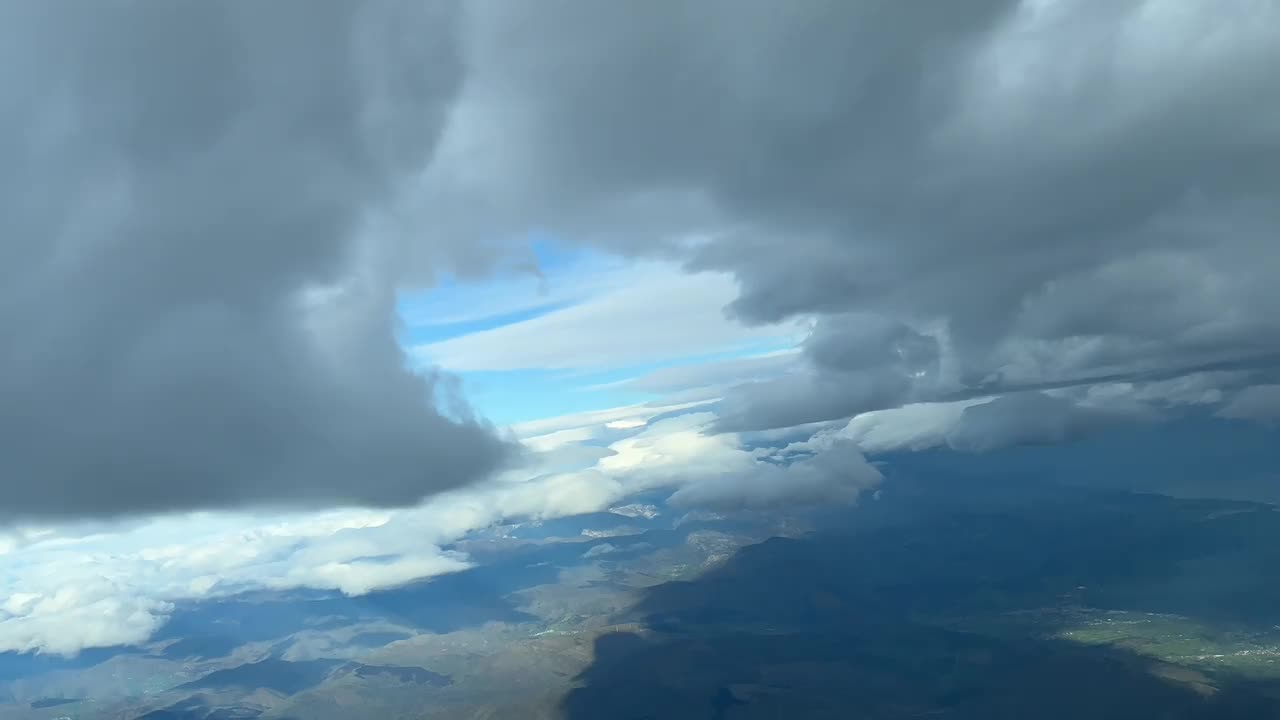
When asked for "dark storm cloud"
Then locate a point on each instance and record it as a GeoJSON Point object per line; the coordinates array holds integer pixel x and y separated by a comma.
{"type": "Point", "coordinates": [195, 300]}
{"type": "Point", "coordinates": [206, 209]}
{"type": "Point", "coordinates": [1038, 191]}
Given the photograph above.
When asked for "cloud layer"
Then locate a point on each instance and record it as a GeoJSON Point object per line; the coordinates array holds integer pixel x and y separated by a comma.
{"type": "Point", "coordinates": [653, 312]}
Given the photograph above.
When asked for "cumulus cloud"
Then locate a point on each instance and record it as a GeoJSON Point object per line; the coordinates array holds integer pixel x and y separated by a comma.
{"type": "Point", "coordinates": [70, 587]}
{"type": "Point", "coordinates": [117, 585]}
{"type": "Point", "coordinates": [597, 550]}
{"type": "Point", "coordinates": [837, 475]}
{"type": "Point", "coordinates": [1013, 195]}
{"type": "Point", "coordinates": [196, 290]}
{"type": "Point", "coordinates": [911, 427]}
{"type": "Point", "coordinates": [96, 613]}
{"type": "Point", "coordinates": [717, 471]}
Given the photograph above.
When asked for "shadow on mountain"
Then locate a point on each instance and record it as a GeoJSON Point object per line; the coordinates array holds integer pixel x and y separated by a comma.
{"type": "Point", "coordinates": [282, 676]}
{"type": "Point", "coordinates": [376, 639]}
{"type": "Point", "coordinates": [211, 692]}
{"type": "Point", "coordinates": [1194, 457]}
{"type": "Point", "coordinates": [42, 703]}
{"type": "Point", "coordinates": [410, 675]}
{"type": "Point", "coordinates": [21, 665]}
{"type": "Point", "coordinates": [200, 707]}
{"type": "Point", "coordinates": [941, 551]}
{"type": "Point", "coordinates": [903, 672]}
{"type": "Point", "coordinates": [952, 600]}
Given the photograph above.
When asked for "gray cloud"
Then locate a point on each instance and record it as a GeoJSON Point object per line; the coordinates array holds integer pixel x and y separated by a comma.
{"type": "Point", "coordinates": [207, 209]}
{"type": "Point", "coordinates": [1257, 402]}
{"type": "Point", "coordinates": [1041, 191]}
{"type": "Point", "coordinates": [855, 360]}
{"type": "Point", "coordinates": [196, 291]}
{"type": "Point", "coordinates": [1031, 418]}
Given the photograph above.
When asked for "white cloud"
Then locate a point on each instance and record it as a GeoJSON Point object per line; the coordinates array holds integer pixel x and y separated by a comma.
{"type": "Point", "coordinates": [355, 577]}
{"type": "Point", "coordinates": [837, 475]}
{"type": "Point", "coordinates": [590, 424]}
{"type": "Point", "coordinates": [89, 613]}
{"type": "Point", "coordinates": [655, 312]}
{"type": "Point", "coordinates": [715, 470]}
{"type": "Point", "coordinates": [74, 587]}
{"type": "Point", "coordinates": [71, 592]}
{"type": "Point", "coordinates": [911, 427]}
{"type": "Point", "coordinates": [715, 374]}
{"type": "Point", "coordinates": [598, 550]}
{"type": "Point", "coordinates": [637, 510]}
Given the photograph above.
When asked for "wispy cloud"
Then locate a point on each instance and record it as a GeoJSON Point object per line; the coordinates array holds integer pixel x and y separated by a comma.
{"type": "Point", "coordinates": [654, 312]}
{"type": "Point", "coordinates": [576, 277]}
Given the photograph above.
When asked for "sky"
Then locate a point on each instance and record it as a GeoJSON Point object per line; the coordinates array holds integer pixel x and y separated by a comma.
{"type": "Point", "coordinates": [542, 345]}
{"type": "Point", "coordinates": [298, 295]}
